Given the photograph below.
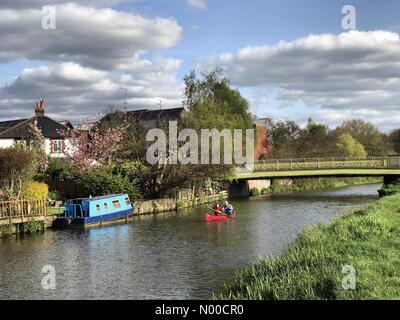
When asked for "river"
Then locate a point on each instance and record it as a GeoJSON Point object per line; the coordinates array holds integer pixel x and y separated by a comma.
{"type": "Point", "coordinates": [166, 256]}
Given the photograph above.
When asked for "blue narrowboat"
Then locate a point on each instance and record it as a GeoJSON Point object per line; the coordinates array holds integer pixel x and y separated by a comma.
{"type": "Point", "coordinates": [95, 211]}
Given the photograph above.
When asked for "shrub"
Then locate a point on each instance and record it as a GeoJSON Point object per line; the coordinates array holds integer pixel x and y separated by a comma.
{"type": "Point", "coordinates": [254, 192]}
{"type": "Point", "coordinates": [60, 170]}
{"type": "Point", "coordinates": [36, 191]}
{"type": "Point", "coordinates": [17, 166]}
{"type": "Point", "coordinates": [54, 195]}
{"type": "Point", "coordinates": [100, 182]}
{"type": "Point", "coordinates": [265, 190]}
{"type": "Point", "coordinates": [33, 226]}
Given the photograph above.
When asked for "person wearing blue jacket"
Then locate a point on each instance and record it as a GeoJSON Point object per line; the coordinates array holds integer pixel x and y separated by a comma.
{"type": "Point", "coordinates": [228, 209]}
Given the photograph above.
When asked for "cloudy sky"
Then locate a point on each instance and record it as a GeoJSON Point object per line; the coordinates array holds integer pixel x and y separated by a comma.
{"type": "Point", "coordinates": [292, 59]}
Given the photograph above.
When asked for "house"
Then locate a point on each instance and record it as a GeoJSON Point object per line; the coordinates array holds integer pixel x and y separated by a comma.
{"type": "Point", "coordinates": [146, 118]}
{"type": "Point", "coordinates": [156, 118]}
{"type": "Point", "coordinates": [14, 131]}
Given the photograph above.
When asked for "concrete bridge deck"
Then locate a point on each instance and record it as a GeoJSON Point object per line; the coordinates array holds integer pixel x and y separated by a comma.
{"type": "Point", "coordinates": [323, 167]}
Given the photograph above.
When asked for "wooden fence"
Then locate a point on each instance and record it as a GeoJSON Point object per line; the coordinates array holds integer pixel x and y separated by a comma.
{"type": "Point", "coordinates": [23, 208]}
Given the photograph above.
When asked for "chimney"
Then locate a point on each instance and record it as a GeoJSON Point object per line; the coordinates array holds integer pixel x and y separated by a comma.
{"type": "Point", "coordinates": [39, 111]}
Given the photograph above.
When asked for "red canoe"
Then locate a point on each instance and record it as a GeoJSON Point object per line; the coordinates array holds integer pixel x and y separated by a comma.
{"type": "Point", "coordinates": [210, 218]}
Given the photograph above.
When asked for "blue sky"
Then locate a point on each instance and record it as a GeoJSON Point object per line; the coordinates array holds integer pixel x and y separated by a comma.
{"type": "Point", "coordinates": [227, 26]}
{"type": "Point", "coordinates": [79, 75]}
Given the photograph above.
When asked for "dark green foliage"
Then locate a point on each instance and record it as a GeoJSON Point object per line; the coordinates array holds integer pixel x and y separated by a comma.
{"type": "Point", "coordinates": [394, 138]}
{"type": "Point", "coordinates": [254, 192]}
{"type": "Point", "coordinates": [60, 170]}
{"type": "Point", "coordinates": [391, 188]}
{"type": "Point", "coordinates": [375, 142]}
{"type": "Point", "coordinates": [33, 227]}
{"type": "Point", "coordinates": [99, 182]}
{"type": "Point", "coordinates": [318, 141]}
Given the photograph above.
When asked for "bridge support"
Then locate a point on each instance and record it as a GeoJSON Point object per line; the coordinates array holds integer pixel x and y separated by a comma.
{"type": "Point", "coordinates": [239, 189]}
{"type": "Point", "coordinates": [387, 180]}
{"type": "Point", "coordinates": [390, 179]}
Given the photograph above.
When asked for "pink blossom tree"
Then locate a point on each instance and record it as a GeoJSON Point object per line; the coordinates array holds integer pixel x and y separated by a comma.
{"type": "Point", "coordinates": [91, 147]}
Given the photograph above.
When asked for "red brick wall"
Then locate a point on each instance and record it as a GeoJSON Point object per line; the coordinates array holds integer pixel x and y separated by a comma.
{"type": "Point", "coordinates": [263, 147]}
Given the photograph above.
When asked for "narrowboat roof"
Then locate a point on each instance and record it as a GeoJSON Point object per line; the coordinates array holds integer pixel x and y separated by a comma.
{"type": "Point", "coordinates": [101, 197]}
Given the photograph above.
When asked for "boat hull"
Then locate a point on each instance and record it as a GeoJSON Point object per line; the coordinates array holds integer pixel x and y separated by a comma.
{"type": "Point", "coordinates": [211, 218]}
{"type": "Point", "coordinates": [94, 221]}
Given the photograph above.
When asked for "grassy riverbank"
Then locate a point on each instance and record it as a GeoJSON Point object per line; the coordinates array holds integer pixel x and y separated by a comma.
{"type": "Point", "coordinates": [311, 267]}
{"type": "Point", "coordinates": [317, 184]}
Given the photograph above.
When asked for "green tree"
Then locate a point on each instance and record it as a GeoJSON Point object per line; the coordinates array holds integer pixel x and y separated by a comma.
{"type": "Point", "coordinates": [60, 169]}
{"type": "Point", "coordinates": [102, 181]}
{"type": "Point", "coordinates": [350, 147]}
{"type": "Point", "coordinates": [36, 142]}
{"type": "Point", "coordinates": [17, 167]}
{"type": "Point", "coordinates": [214, 104]}
{"type": "Point", "coordinates": [285, 139]}
{"type": "Point", "coordinates": [374, 141]}
{"type": "Point", "coordinates": [315, 141]}
{"type": "Point", "coordinates": [211, 91]}
{"type": "Point", "coordinates": [394, 138]}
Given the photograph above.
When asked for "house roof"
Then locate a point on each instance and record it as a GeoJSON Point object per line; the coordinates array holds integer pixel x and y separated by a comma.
{"type": "Point", "coordinates": [148, 115]}
{"type": "Point", "coordinates": [5, 125]}
{"type": "Point", "coordinates": [17, 129]}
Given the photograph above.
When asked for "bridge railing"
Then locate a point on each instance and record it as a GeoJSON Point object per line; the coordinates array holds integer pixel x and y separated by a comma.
{"type": "Point", "coordinates": [23, 208]}
{"type": "Point", "coordinates": [328, 163]}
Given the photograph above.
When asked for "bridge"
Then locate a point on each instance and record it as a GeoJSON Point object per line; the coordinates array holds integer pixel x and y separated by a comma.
{"type": "Point", "coordinates": [386, 167]}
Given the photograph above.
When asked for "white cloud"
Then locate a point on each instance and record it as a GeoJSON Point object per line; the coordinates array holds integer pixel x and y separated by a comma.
{"type": "Point", "coordinates": [93, 53]}
{"type": "Point", "coordinates": [344, 74]}
{"type": "Point", "coordinates": [75, 92]}
{"type": "Point", "coordinates": [197, 4]}
{"type": "Point", "coordinates": [20, 4]}
{"type": "Point", "coordinates": [96, 37]}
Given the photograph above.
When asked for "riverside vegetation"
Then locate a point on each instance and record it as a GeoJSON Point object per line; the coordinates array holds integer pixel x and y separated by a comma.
{"type": "Point", "coordinates": [311, 268]}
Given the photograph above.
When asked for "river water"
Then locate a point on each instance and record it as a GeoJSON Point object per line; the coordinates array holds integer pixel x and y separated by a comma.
{"type": "Point", "coordinates": [166, 256]}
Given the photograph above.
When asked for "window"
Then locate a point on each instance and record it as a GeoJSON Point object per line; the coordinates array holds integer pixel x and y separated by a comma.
{"type": "Point", "coordinates": [116, 204]}
{"type": "Point", "coordinates": [106, 206]}
{"type": "Point", "coordinates": [128, 202]}
{"type": "Point", "coordinates": [57, 146]}
{"type": "Point", "coordinates": [97, 207]}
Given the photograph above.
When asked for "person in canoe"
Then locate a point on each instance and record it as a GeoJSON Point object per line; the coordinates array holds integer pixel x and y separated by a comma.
{"type": "Point", "coordinates": [217, 209]}
{"type": "Point", "coordinates": [228, 209]}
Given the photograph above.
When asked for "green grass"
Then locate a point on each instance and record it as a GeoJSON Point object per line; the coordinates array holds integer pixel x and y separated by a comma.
{"type": "Point", "coordinates": [311, 267]}
{"type": "Point", "coordinates": [52, 210]}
